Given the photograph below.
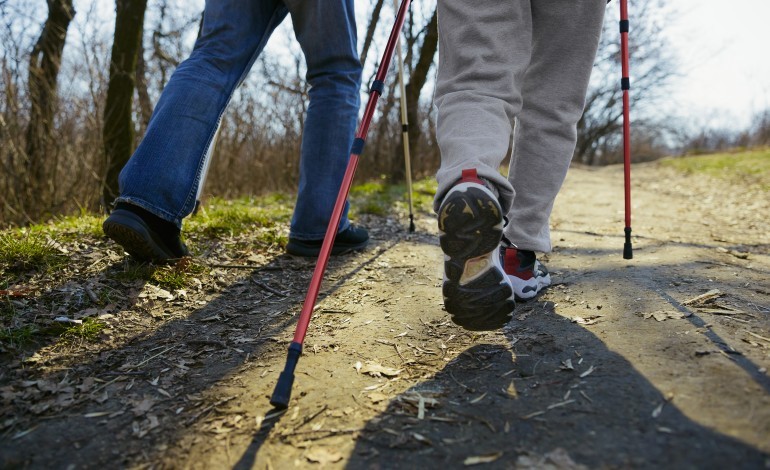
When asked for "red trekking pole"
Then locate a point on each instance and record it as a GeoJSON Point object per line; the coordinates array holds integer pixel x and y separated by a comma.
{"type": "Point", "coordinates": [282, 392]}
{"type": "Point", "coordinates": [625, 85]}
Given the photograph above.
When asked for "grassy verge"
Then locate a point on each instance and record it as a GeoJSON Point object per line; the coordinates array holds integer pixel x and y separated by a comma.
{"type": "Point", "coordinates": [67, 267]}
{"type": "Point", "coordinates": [379, 198]}
{"type": "Point", "coordinates": [741, 167]}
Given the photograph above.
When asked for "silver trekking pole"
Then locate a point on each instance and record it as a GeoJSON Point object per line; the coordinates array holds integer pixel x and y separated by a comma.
{"type": "Point", "coordinates": [405, 130]}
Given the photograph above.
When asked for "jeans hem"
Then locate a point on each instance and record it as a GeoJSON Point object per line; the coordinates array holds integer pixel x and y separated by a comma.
{"type": "Point", "coordinates": [303, 236]}
{"type": "Point", "coordinates": [152, 209]}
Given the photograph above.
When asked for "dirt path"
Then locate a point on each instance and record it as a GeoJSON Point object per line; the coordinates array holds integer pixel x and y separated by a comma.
{"type": "Point", "coordinates": [610, 368]}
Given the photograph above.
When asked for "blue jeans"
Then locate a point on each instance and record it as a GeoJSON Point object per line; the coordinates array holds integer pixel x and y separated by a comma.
{"type": "Point", "coordinates": [164, 174]}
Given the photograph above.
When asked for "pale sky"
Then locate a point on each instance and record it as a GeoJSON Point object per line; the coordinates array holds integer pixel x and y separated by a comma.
{"type": "Point", "coordinates": [723, 51]}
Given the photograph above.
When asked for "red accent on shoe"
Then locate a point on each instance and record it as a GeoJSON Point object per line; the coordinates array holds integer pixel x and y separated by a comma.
{"type": "Point", "coordinates": [470, 176]}
{"type": "Point", "coordinates": [512, 265]}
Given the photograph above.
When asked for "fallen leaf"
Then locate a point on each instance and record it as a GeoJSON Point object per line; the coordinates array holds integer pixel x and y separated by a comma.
{"type": "Point", "coordinates": [479, 459]}
{"type": "Point", "coordinates": [511, 391]}
{"type": "Point", "coordinates": [142, 406]}
{"type": "Point", "coordinates": [358, 366]}
{"type": "Point", "coordinates": [587, 372]}
{"type": "Point", "coordinates": [152, 292]}
{"type": "Point", "coordinates": [556, 459]}
{"type": "Point", "coordinates": [478, 399]}
{"type": "Point", "coordinates": [592, 320]}
{"type": "Point", "coordinates": [378, 370]}
{"type": "Point", "coordinates": [377, 397]}
{"type": "Point", "coordinates": [323, 456]}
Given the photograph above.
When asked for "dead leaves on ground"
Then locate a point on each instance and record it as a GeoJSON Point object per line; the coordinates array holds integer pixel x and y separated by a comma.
{"type": "Point", "coordinates": [704, 303]}
{"type": "Point", "coordinates": [377, 370]}
{"type": "Point", "coordinates": [707, 303]}
{"type": "Point", "coordinates": [663, 315]}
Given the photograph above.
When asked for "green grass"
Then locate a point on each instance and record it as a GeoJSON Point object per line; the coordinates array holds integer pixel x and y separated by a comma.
{"type": "Point", "coordinates": [76, 226]}
{"type": "Point", "coordinates": [32, 256]}
{"type": "Point", "coordinates": [380, 198]}
{"type": "Point", "coordinates": [171, 277]}
{"type": "Point", "coordinates": [13, 335]}
{"type": "Point", "coordinates": [89, 330]}
{"type": "Point", "coordinates": [26, 250]}
{"type": "Point", "coordinates": [747, 166]}
{"type": "Point", "coordinates": [221, 217]}
{"type": "Point", "coordinates": [17, 338]}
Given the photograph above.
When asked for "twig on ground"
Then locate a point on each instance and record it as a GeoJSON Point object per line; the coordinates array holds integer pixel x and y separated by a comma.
{"type": "Point", "coordinates": [264, 286]}
{"type": "Point", "coordinates": [311, 417]}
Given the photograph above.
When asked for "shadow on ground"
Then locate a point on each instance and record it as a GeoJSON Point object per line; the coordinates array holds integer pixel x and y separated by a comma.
{"type": "Point", "coordinates": [556, 395]}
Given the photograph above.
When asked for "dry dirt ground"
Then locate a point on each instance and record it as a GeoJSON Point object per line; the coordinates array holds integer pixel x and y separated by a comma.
{"type": "Point", "coordinates": [657, 362]}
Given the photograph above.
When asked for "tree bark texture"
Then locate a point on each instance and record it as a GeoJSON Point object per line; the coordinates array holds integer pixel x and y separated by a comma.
{"type": "Point", "coordinates": [417, 80]}
{"type": "Point", "coordinates": [370, 30]}
{"type": "Point", "coordinates": [44, 65]}
{"type": "Point", "coordinates": [118, 132]}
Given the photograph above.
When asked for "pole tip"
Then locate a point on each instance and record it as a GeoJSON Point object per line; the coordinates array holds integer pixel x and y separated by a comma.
{"type": "Point", "coordinates": [628, 251]}
{"type": "Point", "coordinates": [412, 228]}
{"type": "Point", "coordinates": [282, 392]}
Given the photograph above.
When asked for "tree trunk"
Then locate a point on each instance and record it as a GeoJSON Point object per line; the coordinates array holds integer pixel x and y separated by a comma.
{"type": "Point", "coordinates": [118, 132]}
{"type": "Point", "coordinates": [142, 89]}
{"type": "Point", "coordinates": [44, 64]}
{"type": "Point", "coordinates": [417, 81]}
{"type": "Point", "coordinates": [370, 30]}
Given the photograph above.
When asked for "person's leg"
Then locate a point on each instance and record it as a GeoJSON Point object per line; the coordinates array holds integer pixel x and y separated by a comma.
{"type": "Point", "coordinates": [326, 32]}
{"type": "Point", "coordinates": [565, 37]}
{"type": "Point", "coordinates": [164, 173]}
{"type": "Point", "coordinates": [484, 49]}
{"type": "Point", "coordinates": [483, 53]}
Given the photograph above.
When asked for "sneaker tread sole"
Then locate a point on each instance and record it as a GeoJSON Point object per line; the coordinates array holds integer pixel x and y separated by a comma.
{"type": "Point", "coordinates": [470, 221]}
{"type": "Point", "coordinates": [131, 233]}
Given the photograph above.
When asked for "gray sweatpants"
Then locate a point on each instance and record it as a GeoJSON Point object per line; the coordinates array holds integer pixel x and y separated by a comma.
{"type": "Point", "coordinates": [505, 60]}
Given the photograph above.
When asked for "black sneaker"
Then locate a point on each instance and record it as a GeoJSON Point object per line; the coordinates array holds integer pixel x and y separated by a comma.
{"type": "Point", "coordinates": [353, 238]}
{"type": "Point", "coordinates": [143, 235]}
{"type": "Point", "coordinates": [528, 275]}
{"type": "Point", "coordinates": [477, 292]}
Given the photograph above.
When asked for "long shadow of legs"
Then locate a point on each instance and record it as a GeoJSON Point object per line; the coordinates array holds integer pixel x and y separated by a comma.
{"type": "Point", "coordinates": [554, 394]}
{"type": "Point", "coordinates": [158, 383]}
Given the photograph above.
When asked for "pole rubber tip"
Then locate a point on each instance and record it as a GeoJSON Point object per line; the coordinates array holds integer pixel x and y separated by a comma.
{"type": "Point", "coordinates": [282, 391]}
{"type": "Point", "coordinates": [412, 228]}
{"type": "Point", "coordinates": [628, 251]}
